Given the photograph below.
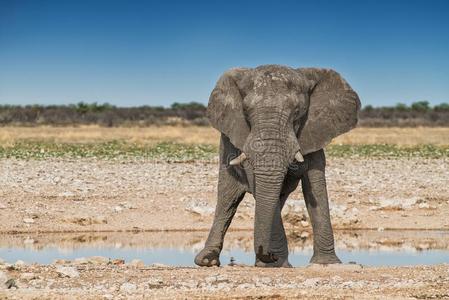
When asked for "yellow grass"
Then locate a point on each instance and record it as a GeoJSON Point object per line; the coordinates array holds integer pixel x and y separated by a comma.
{"type": "Point", "coordinates": [207, 135]}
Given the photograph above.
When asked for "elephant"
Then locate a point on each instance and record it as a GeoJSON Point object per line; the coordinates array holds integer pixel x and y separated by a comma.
{"type": "Point", "coordinates": [274, 122]}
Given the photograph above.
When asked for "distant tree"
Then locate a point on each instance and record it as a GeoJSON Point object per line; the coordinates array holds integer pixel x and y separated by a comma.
{"type": "Point", "coordinates": [82, 107]}
{"type": "Point", "coordinates": [421, 106]}
{"type": "Point", "coordinates": [441, 107]}
{"type": "Point", "coordinates": [368, 108]}
{"type": "Point", "coordinates": [401, 107]}
{"type": "Point", "coordinates": [188, 106]}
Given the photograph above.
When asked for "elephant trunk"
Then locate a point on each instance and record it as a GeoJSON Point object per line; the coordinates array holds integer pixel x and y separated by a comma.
{"type": "Point", "coordinates": [271, 147]}
{"type": "Point", "coordinates": [268, 186]}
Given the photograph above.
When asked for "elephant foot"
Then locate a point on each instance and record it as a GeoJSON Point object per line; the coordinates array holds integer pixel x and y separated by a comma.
{"type": "Point", "coordinates": [208, 258]}
{"type": "Point", "coordinates": [282, 262]}
{"type": "Point", "coordinates": [325, 259]}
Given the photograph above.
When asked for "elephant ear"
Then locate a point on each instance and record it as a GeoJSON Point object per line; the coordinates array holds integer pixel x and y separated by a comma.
{"type": "Point", "coordinates": [333, 109]}
{"type": "Point", "coordinates": [225, 108]}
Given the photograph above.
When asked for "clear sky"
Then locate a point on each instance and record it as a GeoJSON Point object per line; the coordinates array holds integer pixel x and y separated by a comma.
{"type": "Point", "coordinates": [158, 52]}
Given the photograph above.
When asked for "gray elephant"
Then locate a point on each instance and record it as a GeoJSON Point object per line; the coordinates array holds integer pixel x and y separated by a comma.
{"type": "Point", "coordinates": [274, 123]}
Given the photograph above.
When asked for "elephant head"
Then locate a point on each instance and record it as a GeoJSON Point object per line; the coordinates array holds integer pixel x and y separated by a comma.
{"type": "Point", "coordinates": [274, 115]}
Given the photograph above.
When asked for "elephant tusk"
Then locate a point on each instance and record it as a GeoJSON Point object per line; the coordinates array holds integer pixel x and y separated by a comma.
{"type": "Point", "coordinates": [299, 157]}
{"type": "Point", "coordinates": [238, 160]}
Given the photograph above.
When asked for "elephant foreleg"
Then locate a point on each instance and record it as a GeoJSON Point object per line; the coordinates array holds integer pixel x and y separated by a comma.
{"type": "Point", "coordinates": [230, 194]}
{"type": "Point", "coordinates": [315, 195]}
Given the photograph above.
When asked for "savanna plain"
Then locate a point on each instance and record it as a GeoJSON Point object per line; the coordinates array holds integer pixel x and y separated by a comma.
{"type": "Point", "coordinates": [91, 184]}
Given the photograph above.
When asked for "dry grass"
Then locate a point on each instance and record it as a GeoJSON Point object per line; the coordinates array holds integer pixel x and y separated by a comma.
{"type": "Point", "coordinates": [206, 135]}
{"type": "Point", "coordinates": [95, 134]}
{"type": "Point", "coordinates": [397, 136]}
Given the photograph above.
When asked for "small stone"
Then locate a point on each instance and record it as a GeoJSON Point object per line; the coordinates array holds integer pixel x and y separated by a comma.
{"type": "Point", "coordinates": [66, 194]}
{"type": "Point", "coordinates": [28, 276]}
{"type": "Point", "coordinates": [118, 261]}
{"type": "Point", "coordinates": [380, 229]}
{"type": "Point", "coordinates": [10, 283]}
{"type": "Point", "coordinates": [118, 209]}
{"type": "Point", "coordinates": [70, 272]}
{"type": "Point", "coordinates": [200, 208]}
{"type": "Point", "coordinates": [304, 224]}
{"type": "Point", "coordinates": [155, 282]}
{"type": "Point", "coordinates": [424, 205]}
{"type": "Point", "coordinates": [108, 296]}
{"type": "Point", "coordinates": [137, 263]}
{"type": "Point", "coordinates": [245, 286]}
{"type": "Point", "coordinates": [61, 261]}
{"type": "Point", "coordinates": [265, 280]}
{"type": "Point", "coordinates": [128, 287]}
{"type": "Point", "coordinates": [3, 277]}
{"type": "Point", "coordinates": [311, 282]}
{"type": "Point", "coordinates": [304, 234]}
{"type": "Point", "coordinates": [28, 220]}
{"type": "Point", "coordinates": [423, 246]}
{"type": "Point", "coordinates": [2, 206]}
{"type": "Point", "coordinates": [98, 260]}
{"type": "Point", "coordinates": [99, 220]}
{"type": "Point", "coordinates": [80, 261]}
{"type": "Point", "coordinates": [19, 263]}
{"type": "Point", "coordinates": [159, 265]}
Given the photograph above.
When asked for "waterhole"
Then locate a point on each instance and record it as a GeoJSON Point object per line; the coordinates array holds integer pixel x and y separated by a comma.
{"type": "Point", "coordinates": [372, 248]}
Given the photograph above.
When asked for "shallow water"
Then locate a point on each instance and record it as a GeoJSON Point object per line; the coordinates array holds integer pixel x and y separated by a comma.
{"type": "Point", "coordinates": [392, 248]}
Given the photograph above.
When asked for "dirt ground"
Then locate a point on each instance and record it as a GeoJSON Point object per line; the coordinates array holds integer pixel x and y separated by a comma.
{"type": "Point", "coordinates": [82, 195]}
{"type": "Point", "coordinates": [114, 280]}
{"type": "Point", "coordinates": [93, 195]}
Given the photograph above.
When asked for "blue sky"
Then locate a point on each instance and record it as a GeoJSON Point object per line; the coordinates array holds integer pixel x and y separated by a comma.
{"type": "Point", "coordinates": [158, 52]}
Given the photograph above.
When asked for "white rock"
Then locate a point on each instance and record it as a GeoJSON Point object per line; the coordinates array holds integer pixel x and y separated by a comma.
{"type": "Point", "coordinates": [3, 278]}
{"type": "Point", "coordinates": [245, 286]}
{"type": "Point", "coordinates": [304, 223]}
{"type": "Point", "coordinates": [128, 287]}
{"type": "Point", "coordinates": [200, 208]}
{"type": "Point", "coordinates": [137, 263]}
{"type": "Point", "coordinates": [67, 271]}
{"type": "Point", "coordinates": [424, 205]}
{"type": "Point", "coordinates": [159, 265]}
{"type": "Point", "coordinates": [98, 260]}
{"type": "Point", "coordinates": [304, 234]}
{"type": "Point", "coordinates": [118, 208]}
{"type": "Point", "coordinates": [311, 282]}
{"type": "Point", "coordinates": [155, 282]}
{"type": "Point", "coordinates": [2, 206]}
{"type": "Point", "coordinates": [66, 194]}
{"type": "Point", "coordinates": [80, 261]}
{"type": "Point", "coordinates": [19, 263]}
{"type": "Point", "coordinates": [28, 276]}
{"type": "Point", "coordinates": [28, 220]}
{"type": "Point", "coordinates": [423, 246]}
{"type": "Point", "coordinates": [380, 229]}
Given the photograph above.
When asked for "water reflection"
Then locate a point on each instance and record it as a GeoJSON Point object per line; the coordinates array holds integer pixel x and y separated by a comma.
{"type": "Point", "coordinates": [178, 248]}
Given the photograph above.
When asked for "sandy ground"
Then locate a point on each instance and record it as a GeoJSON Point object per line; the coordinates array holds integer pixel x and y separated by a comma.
{"type": "Point", "coordinates": [90, 195]}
